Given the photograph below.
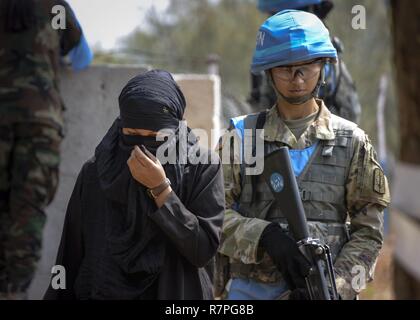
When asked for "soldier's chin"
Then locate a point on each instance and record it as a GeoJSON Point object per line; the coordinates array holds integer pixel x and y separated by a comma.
{"type": "Point", "coordinates": [297, 93]}
{"type": "Point", "coordinates": [296, 96]}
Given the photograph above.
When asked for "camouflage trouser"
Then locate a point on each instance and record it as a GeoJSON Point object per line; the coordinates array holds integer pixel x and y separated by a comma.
{"type": "Point", "coordinates": [29, 161]}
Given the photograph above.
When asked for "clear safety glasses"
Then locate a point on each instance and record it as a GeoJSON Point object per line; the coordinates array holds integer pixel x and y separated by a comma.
{"type": "Point", "coordinates": [305, 71]}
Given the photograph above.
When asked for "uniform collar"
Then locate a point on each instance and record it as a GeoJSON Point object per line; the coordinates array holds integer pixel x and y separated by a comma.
{"type": "Point", "coordinates": [275, 130]}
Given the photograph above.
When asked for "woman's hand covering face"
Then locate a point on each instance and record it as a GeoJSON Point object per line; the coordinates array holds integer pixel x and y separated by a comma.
{"type": "Point", "coordinates": [146, 169]}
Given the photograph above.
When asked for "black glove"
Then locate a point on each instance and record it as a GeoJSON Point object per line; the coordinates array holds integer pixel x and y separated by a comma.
{"type": "Point", "coordinates": [286, 255]}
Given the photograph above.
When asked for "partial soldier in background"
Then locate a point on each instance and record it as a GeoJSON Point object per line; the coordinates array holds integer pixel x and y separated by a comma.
{"type": "Point", "coordinates": [339, 93]}
{"type": "Point", "coordinates": [31, 128]}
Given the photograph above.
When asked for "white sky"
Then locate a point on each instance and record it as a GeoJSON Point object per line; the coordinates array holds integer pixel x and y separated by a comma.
{"type": "Point", "coordinates": [104, 21]}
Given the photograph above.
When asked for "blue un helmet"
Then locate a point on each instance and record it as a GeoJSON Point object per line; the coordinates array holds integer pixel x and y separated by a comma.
{"type": "Point", "coordinates": [272, 6]}
{"type": "Point", "coordinates": [290, 37]}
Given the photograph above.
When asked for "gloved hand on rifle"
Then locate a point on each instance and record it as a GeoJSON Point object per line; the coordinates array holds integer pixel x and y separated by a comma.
{"type": "Point", "coordinates": [286, 255]}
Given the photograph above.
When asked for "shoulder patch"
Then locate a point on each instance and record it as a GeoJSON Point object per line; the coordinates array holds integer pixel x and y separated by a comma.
{"type": "Point", "coordinates": [378, 181]}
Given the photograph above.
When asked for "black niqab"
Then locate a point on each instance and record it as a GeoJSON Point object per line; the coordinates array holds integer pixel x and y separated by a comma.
{"type": "Point", "coordinates": [152, 101]}
{"type": "Point", "coordinates": [133, 241]}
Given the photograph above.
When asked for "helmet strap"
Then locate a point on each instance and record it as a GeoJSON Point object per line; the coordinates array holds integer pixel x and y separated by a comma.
{"type": "Point", "coordinates": [298, 100]}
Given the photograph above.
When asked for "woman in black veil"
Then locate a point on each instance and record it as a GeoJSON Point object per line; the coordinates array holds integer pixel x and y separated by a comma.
{"type": "Point", "coordinates": [137, 229]}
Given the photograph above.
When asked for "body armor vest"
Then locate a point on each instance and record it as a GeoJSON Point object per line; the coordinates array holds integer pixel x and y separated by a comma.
{"type": "Point", "coordinates": [322, 188]}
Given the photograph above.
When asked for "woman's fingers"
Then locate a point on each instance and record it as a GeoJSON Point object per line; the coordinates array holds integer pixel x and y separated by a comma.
{"type": "Point", "coordinates": [141, 157]}
{"type": "Point", "coordinates": [148, 153]}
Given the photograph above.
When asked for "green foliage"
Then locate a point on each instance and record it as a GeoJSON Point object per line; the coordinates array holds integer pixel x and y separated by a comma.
{"type": "Point", "coordinates": [182, 39]}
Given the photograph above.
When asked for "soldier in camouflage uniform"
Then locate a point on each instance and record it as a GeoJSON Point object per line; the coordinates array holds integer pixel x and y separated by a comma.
{"type": "Point", "coordinates": [339, 93]}
{"type": "Point", "coordinates": [31, 129]}
{"type": "Point", "coordinates": [342, 185]}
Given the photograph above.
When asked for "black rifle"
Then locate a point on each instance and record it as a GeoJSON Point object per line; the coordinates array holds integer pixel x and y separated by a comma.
{"type": "Point", "coordinates": [279, 175]}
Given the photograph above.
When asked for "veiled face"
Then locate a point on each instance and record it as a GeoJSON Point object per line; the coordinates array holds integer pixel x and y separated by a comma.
{"type": "Point", "coordinates": [139, 132]}
{"type": "Point", "coordinates": [142, 132]}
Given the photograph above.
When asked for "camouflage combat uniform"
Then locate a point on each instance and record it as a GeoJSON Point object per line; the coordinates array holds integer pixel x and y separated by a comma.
{"type": "Point", "coordinates": [31, 129]}
{"type": "Point", "coordinates": [339, 92]}
{"type": "Point", "coordinates": [343, 190]}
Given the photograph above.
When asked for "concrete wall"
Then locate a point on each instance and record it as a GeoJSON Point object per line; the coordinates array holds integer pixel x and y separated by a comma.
{"type": "Point", "coordinates": [91, 100]}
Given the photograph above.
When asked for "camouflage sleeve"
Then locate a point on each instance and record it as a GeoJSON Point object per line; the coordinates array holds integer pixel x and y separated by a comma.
{"type": "Point", "coordinates": [69, 37]}
{"type": "Point", "coordinates": [367, 196]}
{"type": "Point", "coordinates": [240, 235]}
